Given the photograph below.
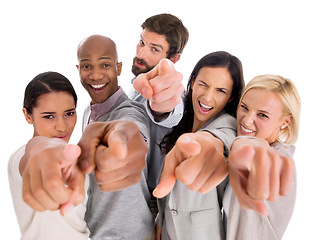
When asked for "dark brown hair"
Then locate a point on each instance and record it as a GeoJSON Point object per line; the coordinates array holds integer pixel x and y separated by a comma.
{"type": "Point", "coordinates": [172, 28]}
{"type": "Point", "coordinates": [215, 59]}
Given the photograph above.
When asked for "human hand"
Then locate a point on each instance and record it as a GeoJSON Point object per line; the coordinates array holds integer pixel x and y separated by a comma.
{"type": "Point", "coordinates": [197, 161]}
{"type": "Point", "coordinates": [116, 152]}
{"type": "Point", "coordinates": [51, 164]}
{"type": "Point", "coordinates": [162, 86]}
{"type": "Point", "coordinates": [258, 172]}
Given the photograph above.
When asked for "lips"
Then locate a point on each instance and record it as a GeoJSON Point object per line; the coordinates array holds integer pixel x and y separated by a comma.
{"type": "Point", "coordinates": [64, 137]}
{"type": "Point", "coordinates": [204, 108]}
{"type": "Point", "coordinates": [245, 131]}
{"type": "Point", "coordinates": [98, 87]}
{"type": "Point", "coordinates": [140, 63]}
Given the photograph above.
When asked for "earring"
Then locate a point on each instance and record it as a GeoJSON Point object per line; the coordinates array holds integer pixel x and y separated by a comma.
{"type": "Point", "coordinates": [282, 127]}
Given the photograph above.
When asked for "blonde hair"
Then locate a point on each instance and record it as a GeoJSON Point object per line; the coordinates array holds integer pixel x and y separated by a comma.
{"type": "Point", "coordinates": [287, 92]}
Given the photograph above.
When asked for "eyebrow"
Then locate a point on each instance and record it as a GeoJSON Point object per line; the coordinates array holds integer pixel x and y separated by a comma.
{"type": "Point", "coordinates": [261, 111]}
{"type": "Point", "coordinates": [156, 45]}
{"type": "Point", "coordinates": [153, 44]}
{"type": "Point", "coordinates": [69, 110]}
{"type": "Point", "coordinates": [265, 112]}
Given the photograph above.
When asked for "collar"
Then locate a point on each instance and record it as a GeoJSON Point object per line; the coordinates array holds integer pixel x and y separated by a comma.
{"type": "Point", "coordinates": [99, 109]}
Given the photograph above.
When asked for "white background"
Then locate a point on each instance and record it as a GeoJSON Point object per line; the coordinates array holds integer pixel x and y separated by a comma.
{"type": "Point", "coordinates": [267, 36]}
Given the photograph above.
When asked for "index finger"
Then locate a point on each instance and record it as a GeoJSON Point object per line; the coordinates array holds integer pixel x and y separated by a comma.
{"type": "Point", "coordinates": [142, 83]}
{"type": "Point", "coordinates": [184, 148]}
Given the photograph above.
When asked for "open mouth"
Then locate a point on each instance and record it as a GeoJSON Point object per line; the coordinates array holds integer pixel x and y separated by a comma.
{"type": "Point", "coordinates": [246, 130]}
{"type": "Point", "coordinates": [204, 108]}
{"type": "Point", "coordinates": [98, 87]}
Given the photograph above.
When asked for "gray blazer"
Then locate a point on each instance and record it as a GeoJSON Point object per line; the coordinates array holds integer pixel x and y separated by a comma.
{"type": "Point", "coordinates": [247, 224]}
{"type": "Point", "coordinates": [184, 214]}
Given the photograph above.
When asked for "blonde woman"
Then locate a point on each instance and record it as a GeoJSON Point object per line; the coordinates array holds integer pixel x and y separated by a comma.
{"type": "Point", "coordinates": [261, 168]}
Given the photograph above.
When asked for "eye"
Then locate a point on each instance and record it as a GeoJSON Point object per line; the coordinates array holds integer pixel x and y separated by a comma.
{"type": "Point", "coordinates": [48, 116]}
{"type": "Point", "coordinates": [244, 107]}
{"type": "Point", "coordinates": [106, 65]}
{"type": "Point", "coordinates": [155, 50]}
{"type": "Point", "coordinates": [70, 114]}
{"type": "Point", "coordinates": [221, 90]}
{"type": "Point", "coordinates": [141, 42]}
{"type": "Point", "coordinates": [202, 84]}
{"type": "Point", "coordinates": [85, 67]}
{"type": "Point", "coordinates": [263, 115]}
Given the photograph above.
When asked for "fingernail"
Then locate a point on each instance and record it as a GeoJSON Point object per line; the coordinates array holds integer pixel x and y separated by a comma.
{"type": "Point", "coordinates": [154, 191]}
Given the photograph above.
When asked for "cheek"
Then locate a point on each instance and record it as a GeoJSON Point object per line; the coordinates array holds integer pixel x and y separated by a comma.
{"type": "Point", "coordinates": [42, 128]}
{"type": "Point", "coordinates": [83, 76]}
{"type": "Point", "coordinates": [72, 122]}
{"type": "Point", "coordinates": [222, 101]}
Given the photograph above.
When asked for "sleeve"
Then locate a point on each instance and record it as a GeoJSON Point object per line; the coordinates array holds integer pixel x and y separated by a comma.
{"type": "Point", "coordinates": [224, 128]}
{"type": "Point", "coordinates": [173, 118]}
{"type": "Point", "coordinates": [248, 224]}
{"type": "Point", "coordinates": [48, 225]}
{"type": "Point", "coordinates": [132, 111]}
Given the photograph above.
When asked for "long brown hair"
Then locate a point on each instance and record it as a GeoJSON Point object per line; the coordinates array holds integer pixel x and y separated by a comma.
{"type": "Point", "coordinates": [215, 59]}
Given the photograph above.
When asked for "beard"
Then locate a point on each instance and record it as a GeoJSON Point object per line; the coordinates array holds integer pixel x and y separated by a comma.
{"type": "Point", "coordinates": [136, 71]}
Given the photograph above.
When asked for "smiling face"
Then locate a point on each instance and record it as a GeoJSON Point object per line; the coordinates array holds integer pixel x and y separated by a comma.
{"type": "Point", "coordinates": [211, 91]}
{"type": "Point", "coordinates": [151, 48]}
{"type": "Point", "coordinates": [260, 114]}
{"type": "Point", "coordinates": [54, 115]}
{"type": "Point", "coordinates": [98, 67]}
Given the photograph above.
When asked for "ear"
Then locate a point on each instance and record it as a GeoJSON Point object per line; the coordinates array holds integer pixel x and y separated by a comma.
{"type": "Point", "coordinates": [27, 116]}
{"type": "Point", "coordinates": [231, 99]}
{"type": "Point", "coordinates": [119, 68]}
{"type": "Point", "coordinates": [77, 67]}
{"type": "Point", "coordinates": [175, 58]}
{"type": "Point", "coordinates": [286, 121]}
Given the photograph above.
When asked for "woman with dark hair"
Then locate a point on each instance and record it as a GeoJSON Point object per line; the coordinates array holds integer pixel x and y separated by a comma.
{"type": "Point", "coordinates": [192, 207]}
{"type": "Point", "coordinates": [213, 60]}
{"type": "Point", "coordinates": [50, 106]}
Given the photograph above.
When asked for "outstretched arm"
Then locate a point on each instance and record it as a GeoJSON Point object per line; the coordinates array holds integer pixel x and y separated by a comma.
{"type": "Point", "coordinates": [51, 177]}
{"type": "Point", "coordinates": [197, 160]}
{"type": "Point", "coordinates": [162, 87]}
{"type": "Point", "coordinates": [258, 172]}
{"type": "Point", "coordinates": [116, 151]}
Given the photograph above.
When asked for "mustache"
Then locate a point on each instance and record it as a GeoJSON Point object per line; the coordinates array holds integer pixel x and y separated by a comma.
{"type": "Point", "coordinates": [140, 61]}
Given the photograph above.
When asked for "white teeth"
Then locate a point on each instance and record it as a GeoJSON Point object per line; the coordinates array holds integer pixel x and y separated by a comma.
{"type": "Point", "coordinates": [205, 106]}
{"type": "Point", "coordinates": [246, 130]}
{"type": "Point", "coordinates": [98, 86]}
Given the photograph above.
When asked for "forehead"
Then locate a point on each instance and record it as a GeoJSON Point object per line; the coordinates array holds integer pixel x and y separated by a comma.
{"type": "Point", "coordinates": [217, 76]}
{"type": "Point", "coordinates": [55, 101]}
{"type": "Point", "coordinates": [154, 38]}
{"type": "Point", "coordinates": [97, 49]}
{"type": "Point", "coordinates": [261, 99]}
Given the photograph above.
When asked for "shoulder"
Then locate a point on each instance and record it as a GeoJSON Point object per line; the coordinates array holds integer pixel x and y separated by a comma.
{"type": "Point", "coordinates": [130, 107]}
{"type": "Point", "coordinates": [15, 158]}
{"type": "Point", "coordinates": [223, 127]}
{"type": "Point", "coordinates": [285, 149]}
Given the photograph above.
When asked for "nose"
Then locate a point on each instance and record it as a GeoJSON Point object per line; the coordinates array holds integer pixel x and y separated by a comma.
{"type": "Point", "coordinates": [209, 95]}
{"type": "Point", "coordinates": [248, 119]}
{"type": "Point", "coordinates": [96, 74]}
{"type": "Point", "coordinates": [60, 125]}
{"type": "Point", "coordinates": [142, 52]}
